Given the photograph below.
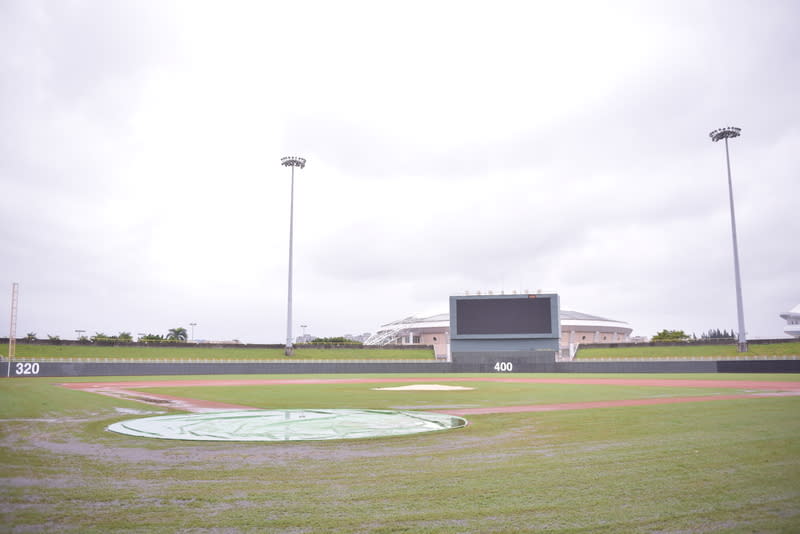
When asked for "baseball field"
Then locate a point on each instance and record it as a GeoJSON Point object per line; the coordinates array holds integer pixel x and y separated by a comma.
{"type": "Point", "coordinates": [557, 453]}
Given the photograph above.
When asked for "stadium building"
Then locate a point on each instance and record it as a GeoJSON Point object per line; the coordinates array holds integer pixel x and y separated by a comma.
{"type": "Point", "coordinates": [576, 328]}
{"type": "Point", "coordinates": [792, 318]}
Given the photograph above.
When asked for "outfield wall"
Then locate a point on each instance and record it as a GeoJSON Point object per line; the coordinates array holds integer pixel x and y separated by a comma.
{"type": "Point", "coordinates": [503, 366]}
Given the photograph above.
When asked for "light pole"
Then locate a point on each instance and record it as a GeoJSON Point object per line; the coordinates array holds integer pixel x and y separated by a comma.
{"type": "Point", "coordinates": [192, 325]}
{"type": "Point", "coordinates": [716, 135]}
{"type": "Point", "coordinates": [291, 161]}
{"type": "Point", "coordinates": [304, 326]}
{"type": "Point", "coordinates": [80, 333]}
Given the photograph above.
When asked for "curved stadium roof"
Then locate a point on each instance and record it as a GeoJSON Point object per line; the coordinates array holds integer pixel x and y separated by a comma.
{"type": "Point", "coordinates": [443, 319]}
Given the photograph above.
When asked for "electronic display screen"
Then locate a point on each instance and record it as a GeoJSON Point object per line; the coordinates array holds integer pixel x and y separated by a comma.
{"type": "Point", "coordinates": [504, 316]}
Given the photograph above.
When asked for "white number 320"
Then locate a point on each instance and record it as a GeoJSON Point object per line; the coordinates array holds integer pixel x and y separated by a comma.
{"type": "Point", "coordinates": [27, 368]}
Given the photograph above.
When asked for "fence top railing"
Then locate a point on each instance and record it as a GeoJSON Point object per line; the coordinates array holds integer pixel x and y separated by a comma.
{"type": "Point", "coordinates": [55, 359]}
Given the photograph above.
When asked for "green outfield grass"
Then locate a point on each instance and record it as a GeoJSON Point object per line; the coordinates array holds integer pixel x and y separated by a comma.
{"type": "Point", "coordinates": [775, 350]}
{"type": "Point", "coordinates": [50, 352]}
{"type": "Point", "coordinates": [721, 466]}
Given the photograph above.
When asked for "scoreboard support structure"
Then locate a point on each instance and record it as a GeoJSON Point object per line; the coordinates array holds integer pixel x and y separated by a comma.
{"type": "Point", "coordinates": [505, 333]}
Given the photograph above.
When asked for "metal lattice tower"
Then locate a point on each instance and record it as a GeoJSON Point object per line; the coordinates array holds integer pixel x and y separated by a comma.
{"type": "Point", "coordinates": [12, 333]}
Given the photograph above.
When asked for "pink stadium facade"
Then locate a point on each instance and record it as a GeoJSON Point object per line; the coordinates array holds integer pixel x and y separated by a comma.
{"type": "Point", "coordinates": [434, 330]}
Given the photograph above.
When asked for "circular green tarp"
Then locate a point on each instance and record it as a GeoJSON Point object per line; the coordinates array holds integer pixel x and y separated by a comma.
{"type": "Point", "coordinates": [287, 425]}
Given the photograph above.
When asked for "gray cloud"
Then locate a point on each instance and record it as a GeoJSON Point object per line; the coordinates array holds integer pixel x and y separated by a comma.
{"type": "Point", "coordinates": [139, 146]}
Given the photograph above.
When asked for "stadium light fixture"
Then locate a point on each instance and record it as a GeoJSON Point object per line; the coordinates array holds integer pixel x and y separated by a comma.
{"type": "Point", "coordinates": [291, 161]}
{"type": "Point", "coordinates": [726, 133]}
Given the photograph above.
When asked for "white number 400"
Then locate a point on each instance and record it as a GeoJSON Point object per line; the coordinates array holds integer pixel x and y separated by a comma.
{"type": "Point", "coordinates": [27, 368]}
{"type": "Point", "coordinates": [504, 367]}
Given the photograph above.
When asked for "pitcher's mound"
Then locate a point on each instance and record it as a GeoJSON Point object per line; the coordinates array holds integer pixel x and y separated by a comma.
{"type": "Point", "coordinates": [287, 425]}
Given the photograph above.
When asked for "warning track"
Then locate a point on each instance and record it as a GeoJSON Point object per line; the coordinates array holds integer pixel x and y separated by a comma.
{"type": "Point", "coordinates": [754, 389]}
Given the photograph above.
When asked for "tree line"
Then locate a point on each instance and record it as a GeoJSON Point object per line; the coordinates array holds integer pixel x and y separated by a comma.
{"type": "Point", "coordinates": [338, 340]}
{"type": "Point", "coordinates": [680, 335]}
{"type": "Point", "coordinates": [174, 335]}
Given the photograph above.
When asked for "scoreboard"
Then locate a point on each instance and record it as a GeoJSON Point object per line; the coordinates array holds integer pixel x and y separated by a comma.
{"type": "Point", "coordinates": [497, 330]}
{"type": "Point", "coordinates": [512, 316]}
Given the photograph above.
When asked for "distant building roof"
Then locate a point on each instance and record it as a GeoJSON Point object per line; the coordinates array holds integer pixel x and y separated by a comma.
{"type": "Point", "coordinates": [793, 311]}
{"type": "Point", "coordinates": [578, 316]}
{"type": "Point", "coordinates": [441, 318]}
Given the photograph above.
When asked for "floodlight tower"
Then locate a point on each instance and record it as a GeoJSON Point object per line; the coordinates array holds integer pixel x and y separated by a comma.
{"type": "Point", "coordinates": [716, 135]}
{"type": "Point", "coordinates": [291, 161]}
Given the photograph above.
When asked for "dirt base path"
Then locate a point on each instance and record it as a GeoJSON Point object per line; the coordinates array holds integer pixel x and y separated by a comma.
{"type": "Point", "coordinates": [754, 388]}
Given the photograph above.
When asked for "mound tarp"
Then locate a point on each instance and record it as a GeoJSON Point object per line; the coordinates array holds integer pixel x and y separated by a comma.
{"type": "Point", "coordinates": [287, 425]}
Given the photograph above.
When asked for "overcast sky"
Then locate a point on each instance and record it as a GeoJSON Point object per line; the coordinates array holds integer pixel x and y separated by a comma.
{"type": "Point", "coordinates": [451, 147]}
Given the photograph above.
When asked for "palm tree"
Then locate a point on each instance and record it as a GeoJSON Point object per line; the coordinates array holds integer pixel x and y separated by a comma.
{"type": "Point", "coordinates": [177, 334]}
